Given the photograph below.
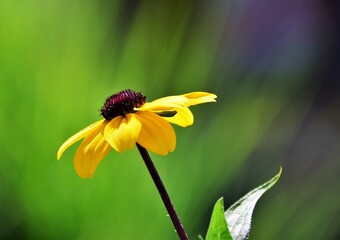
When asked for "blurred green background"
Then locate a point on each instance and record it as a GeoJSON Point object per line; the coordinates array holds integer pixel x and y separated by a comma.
{"type": "Point", "coordinates": [273, 64]}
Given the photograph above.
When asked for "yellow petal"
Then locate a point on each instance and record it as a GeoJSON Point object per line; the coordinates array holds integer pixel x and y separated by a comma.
{"type": "Point", "coordinates": [170, 99]}
{"type": "Point", "coordinates": [164, 104]}
{"type": "Point", "coordinates": [82, 159]}
{"type": "Point", "coordinates": [156, 134]}
{"type": "Point", "coordinates": [122, 132]}
{"type": "Point", "coordinates": [183, 117]}
{"type": "Point", "coordinates": [178, 107]}
{"type": "Point", "coordinates": [76, 137]}
{"type": "Point", "coordinates": [90, 153]}
{"type": "Point", "coordinates": [199, 97]}
{"type": "Point", "coordinates": [171, 102]}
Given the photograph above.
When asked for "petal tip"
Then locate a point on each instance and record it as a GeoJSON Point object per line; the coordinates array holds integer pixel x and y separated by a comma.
{"type": "Point", "coordinates": [59, 154]}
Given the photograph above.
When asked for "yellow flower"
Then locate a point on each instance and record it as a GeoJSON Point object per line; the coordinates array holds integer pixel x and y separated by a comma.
{"type": "Point", "coordinates": [128, 120]}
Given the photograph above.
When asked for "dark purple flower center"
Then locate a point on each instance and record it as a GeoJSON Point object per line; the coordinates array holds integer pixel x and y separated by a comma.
{"type": "Point", "coordinates": [121, 103]}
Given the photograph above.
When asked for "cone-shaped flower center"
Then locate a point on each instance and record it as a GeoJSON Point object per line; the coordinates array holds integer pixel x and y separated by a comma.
{"type": "Point", "coordinates": [122, 103]}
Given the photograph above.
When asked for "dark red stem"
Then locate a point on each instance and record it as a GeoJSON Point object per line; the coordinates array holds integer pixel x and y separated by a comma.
{"type": "Point", "coordinates": [162, 191]}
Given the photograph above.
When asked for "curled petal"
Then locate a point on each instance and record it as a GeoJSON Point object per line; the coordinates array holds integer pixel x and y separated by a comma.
{"type": "Point", "coordinates": [122, 132]}
{"type": "Point", "coordinates": [178, 99]}
{"type": "Point", "coordinates": [164, 104]}
{"type": "Point", "coordinates": [183, 117]}
{"type": "Point", "coordinates": [90, 153]}
{"type": "Point", "coordinates": [156, 134]}
{"type": "Point", "coordinates": [199, 97]}
{"type": "Point", "coordinates": [175, 109]}
{"type": "Point", "coordinates": [172, 102]}
{"type": "Point", "coordinates": [81, 134]}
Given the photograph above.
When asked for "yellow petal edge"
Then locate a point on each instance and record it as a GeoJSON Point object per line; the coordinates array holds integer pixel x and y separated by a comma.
{"type": "Point", "coordinates": [76, 137]}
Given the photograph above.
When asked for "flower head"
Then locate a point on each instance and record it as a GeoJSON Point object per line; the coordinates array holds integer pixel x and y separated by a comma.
{"type": "Point", "coordinates": [128, 120]}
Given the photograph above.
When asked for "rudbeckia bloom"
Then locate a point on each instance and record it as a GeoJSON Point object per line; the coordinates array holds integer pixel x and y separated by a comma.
{"type": "Point", "coordinates": [128, 120]}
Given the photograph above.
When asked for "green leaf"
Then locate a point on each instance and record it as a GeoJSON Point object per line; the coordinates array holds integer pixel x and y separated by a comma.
{"type": "Point", "coordinates": [218, 228]}
{"type": "Point", "coordinates": [239, 215]}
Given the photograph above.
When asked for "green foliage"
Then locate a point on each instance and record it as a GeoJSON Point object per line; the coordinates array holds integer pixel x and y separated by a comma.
{"type": "Point", "coordinates": [238, 216]}
{"type": "Point", "coordinates": [218, 228]}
